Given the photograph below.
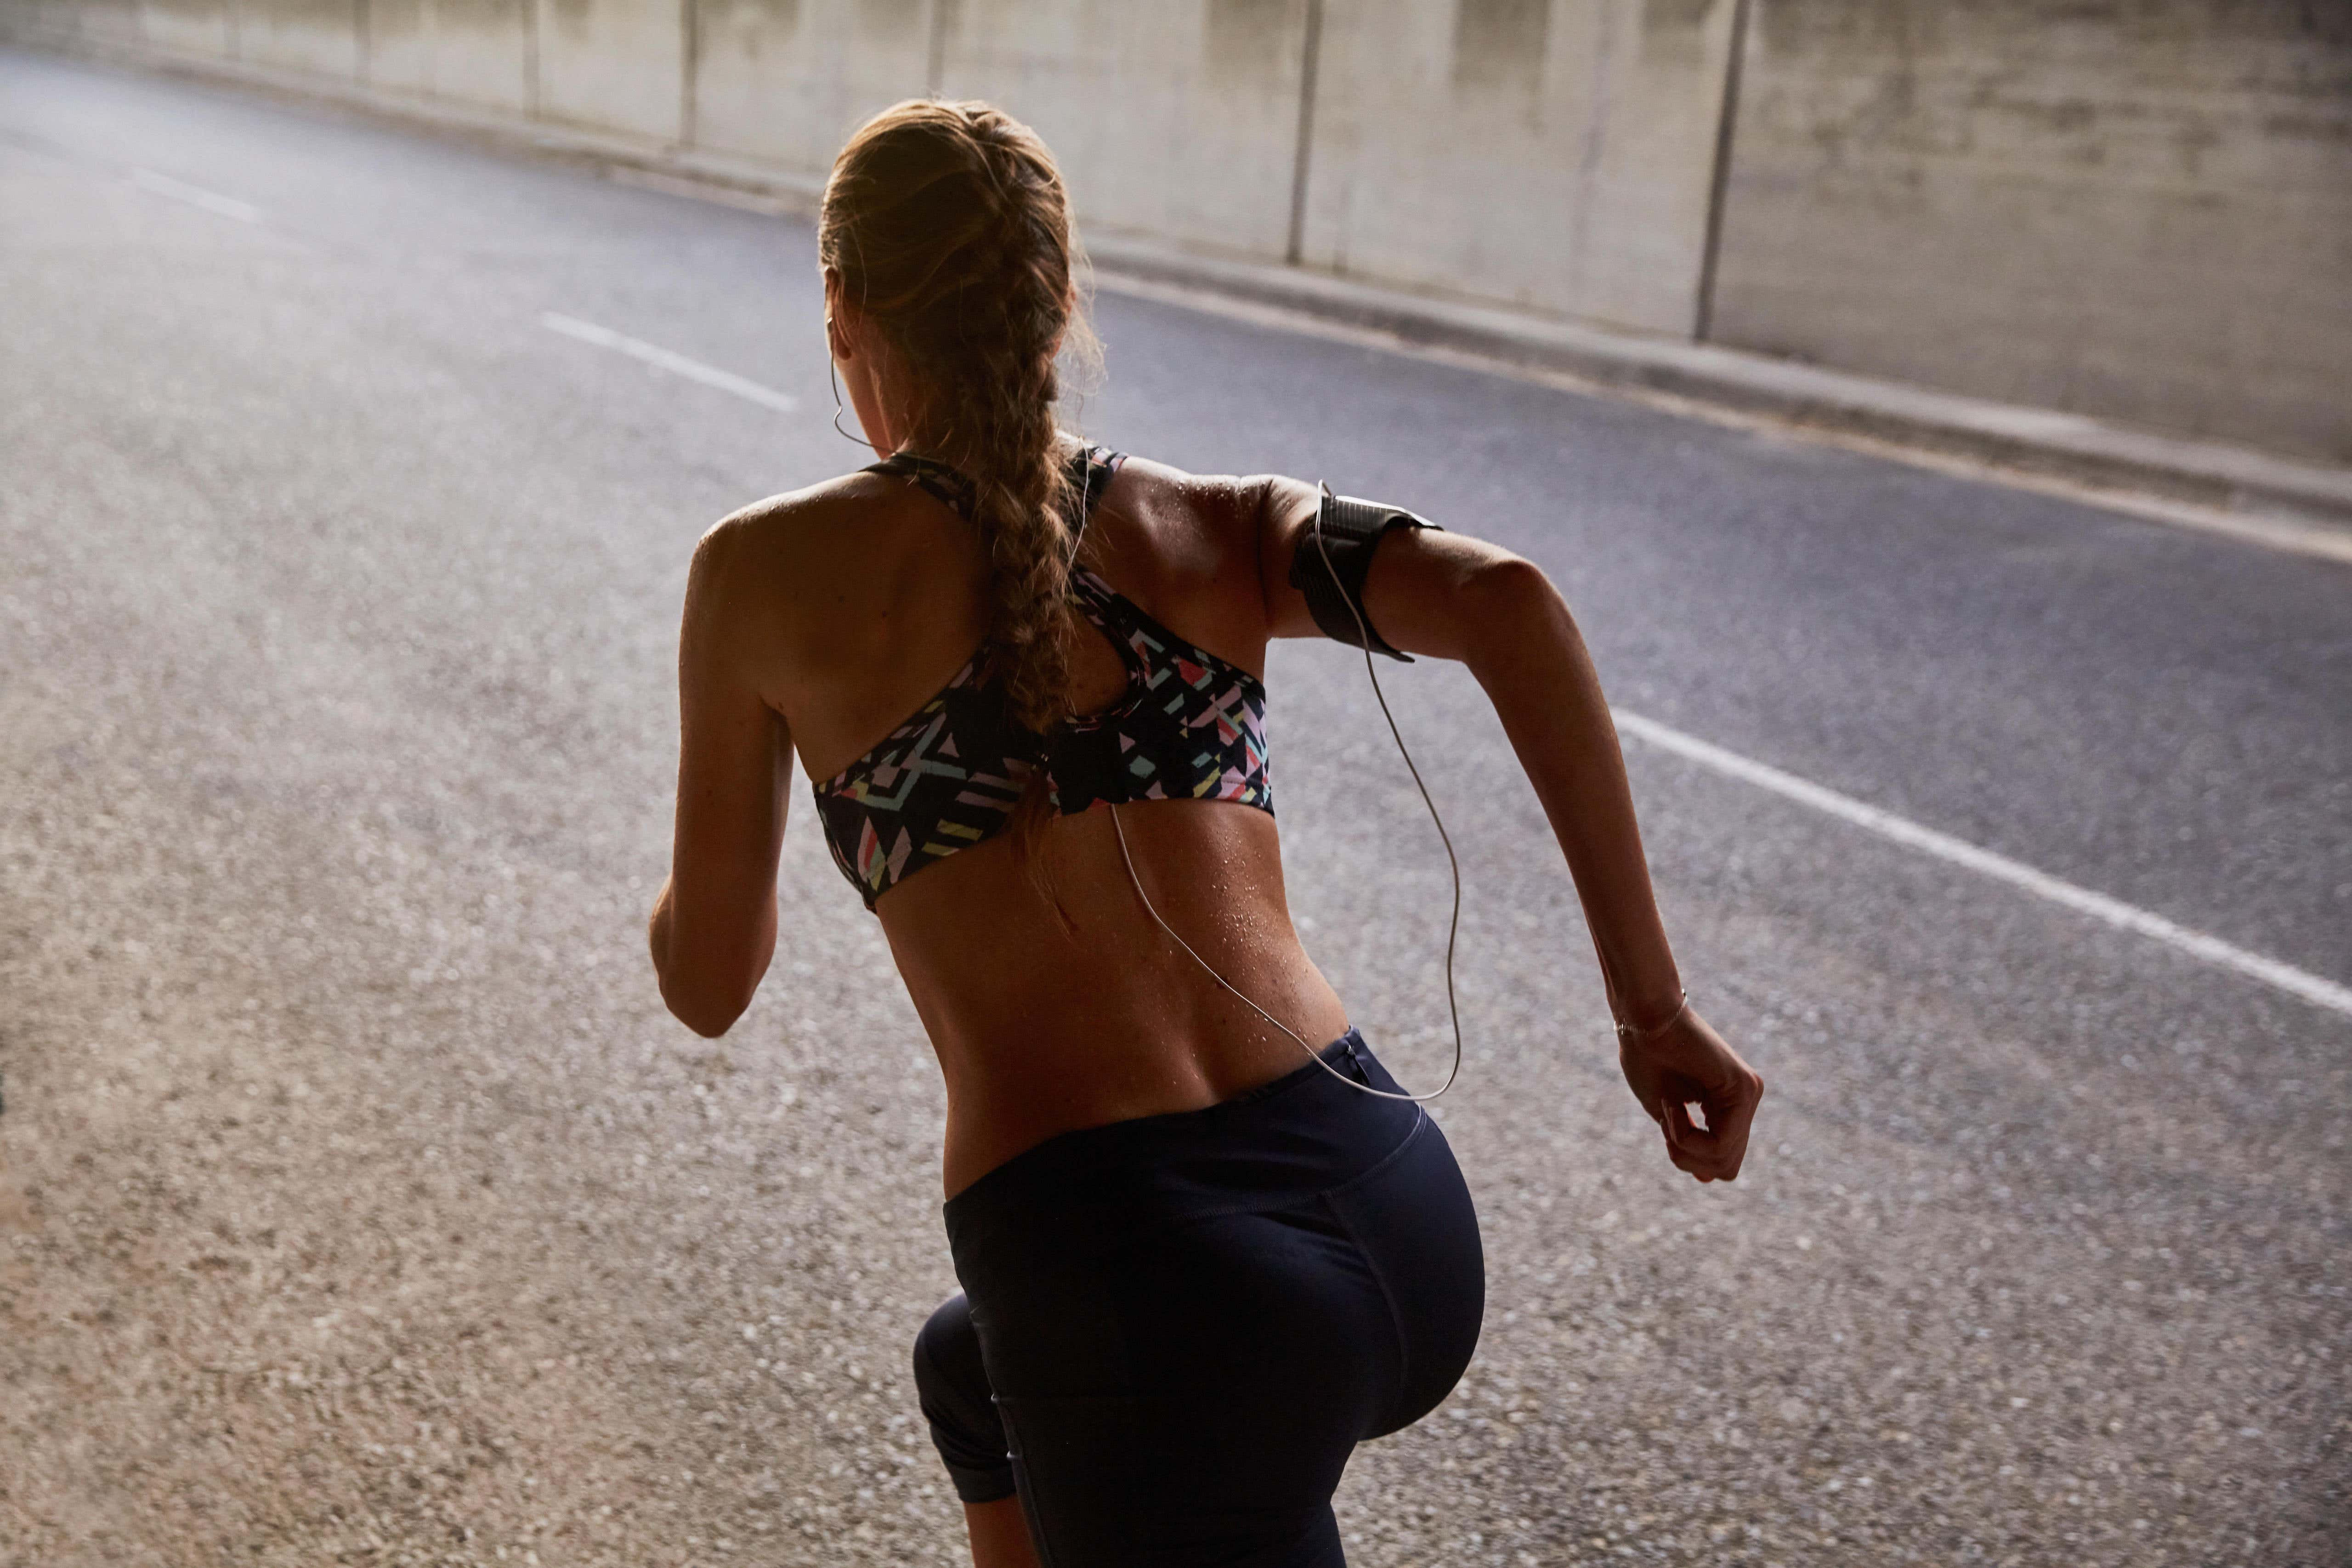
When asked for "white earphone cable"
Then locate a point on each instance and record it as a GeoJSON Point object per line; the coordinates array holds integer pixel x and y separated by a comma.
{"type": "Point", "coordinates": [1452, 925]}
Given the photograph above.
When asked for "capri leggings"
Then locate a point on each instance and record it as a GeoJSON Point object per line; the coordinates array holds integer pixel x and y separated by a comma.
{"type": "Point", "coordinates": [1175, 1330]}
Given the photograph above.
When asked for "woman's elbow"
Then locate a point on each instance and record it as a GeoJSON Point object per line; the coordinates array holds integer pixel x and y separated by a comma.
{"type": "Point", "coordinates": [703, 991]}
{"type": "Point", "coordinates": [709, 971]}
{"type": "Point", "coordinates": [708, 1010]}
{"type": "Point", "coordinates": [1507, 603]}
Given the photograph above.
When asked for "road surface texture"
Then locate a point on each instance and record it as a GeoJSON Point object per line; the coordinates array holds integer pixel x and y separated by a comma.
{"type": "Point", "coordinates": [362, 1205]}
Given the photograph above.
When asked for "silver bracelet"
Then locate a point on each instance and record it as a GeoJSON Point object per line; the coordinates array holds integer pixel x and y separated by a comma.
{"type": "Point", "coordinates": [1627, 1033]}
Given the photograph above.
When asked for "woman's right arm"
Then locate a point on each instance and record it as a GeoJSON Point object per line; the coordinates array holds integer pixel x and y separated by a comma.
{"type": "Point", "coordinates": [713, 929]}
{"type": "Point", "coordinates": [1451, 596]}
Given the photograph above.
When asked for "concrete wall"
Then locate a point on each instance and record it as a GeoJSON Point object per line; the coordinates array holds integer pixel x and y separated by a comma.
{"type": "Point", "coordinates": [788, 80]}
{"type": "Point", "coordinates": [1552, 153]}
{"type": "Point", "coordinates": [476, 51]}
{"type": "Point", "coordinates": [1177, 119]}
{"type": "Point", "coordinates": [615, 65]}
{"type": "Point", "coordinates": [2140, 211]}
{"type": "Point", "coordinates": [193, 26]}
{"type": "Point", "coordinates": [111, 18]}
{"type": "Point", "coordinates": [321, 36]}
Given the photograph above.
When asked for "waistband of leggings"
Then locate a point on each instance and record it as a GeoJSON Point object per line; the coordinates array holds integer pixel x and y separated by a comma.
{"type": "Point", "coordinates": [1296, 1134]}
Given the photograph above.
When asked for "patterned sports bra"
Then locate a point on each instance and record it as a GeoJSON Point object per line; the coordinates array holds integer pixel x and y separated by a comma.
{"type": "Point", "coordinates": [1191, 726]}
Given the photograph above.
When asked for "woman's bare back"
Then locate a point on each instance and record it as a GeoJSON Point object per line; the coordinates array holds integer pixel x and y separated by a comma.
{"type": "Point", "coordinates": [848, 606]}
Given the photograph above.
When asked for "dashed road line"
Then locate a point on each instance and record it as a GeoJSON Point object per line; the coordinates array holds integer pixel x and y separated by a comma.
{"type": "Point", "coordinates": [2301, 983]}
{"type": "Point", "coordinates": [676, 365]}
{"type": "Point", "coordinates": [195, 195]}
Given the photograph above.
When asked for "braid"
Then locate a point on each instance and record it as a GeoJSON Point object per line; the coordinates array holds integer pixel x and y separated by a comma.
{"type": "Point", "coordinates": [950, 225]}
{"type": "Point", "coordinates": [1010, 321]}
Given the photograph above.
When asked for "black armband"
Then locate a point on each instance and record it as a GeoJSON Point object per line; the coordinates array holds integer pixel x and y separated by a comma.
{"type": "Point", "coordinates": [1349, 530]}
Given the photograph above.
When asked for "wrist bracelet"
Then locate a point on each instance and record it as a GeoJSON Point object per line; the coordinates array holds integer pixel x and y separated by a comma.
{"type": "Point", "coordinates": [1627, 1033]}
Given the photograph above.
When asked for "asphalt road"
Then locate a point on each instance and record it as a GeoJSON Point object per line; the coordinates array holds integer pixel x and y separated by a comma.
{"type": "Point", "coordinates": [360, 1204]}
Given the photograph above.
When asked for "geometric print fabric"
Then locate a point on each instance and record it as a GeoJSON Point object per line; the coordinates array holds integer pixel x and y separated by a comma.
{"type": "Point", "coordinates": [1191, 726]}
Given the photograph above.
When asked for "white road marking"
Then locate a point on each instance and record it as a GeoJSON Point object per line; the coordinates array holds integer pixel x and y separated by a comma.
{"type": "Point", "coordinates": [195, 195]}
{"type": "Point", "coordinates": [2296, 982]}
{"type": "Point", "coordinates": [676, 365]}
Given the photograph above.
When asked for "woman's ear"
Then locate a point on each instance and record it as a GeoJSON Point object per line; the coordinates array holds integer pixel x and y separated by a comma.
{"type": "Point", "coordinates": [844, 324]}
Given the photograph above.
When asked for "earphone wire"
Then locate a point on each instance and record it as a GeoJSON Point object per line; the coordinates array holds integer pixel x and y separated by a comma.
{"type": "Point", "coordinates": [1452, 925]}
{"type": "Point", "coordinates": [833, 373]}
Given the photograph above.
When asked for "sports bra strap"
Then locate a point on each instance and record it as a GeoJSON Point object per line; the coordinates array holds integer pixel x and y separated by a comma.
{"type": "Point", "coordinates": [1092, 477]}
{"type": "Point", "coordinates": [942, 482]}
{"type": "Point", "coordinates": [1090, 469]}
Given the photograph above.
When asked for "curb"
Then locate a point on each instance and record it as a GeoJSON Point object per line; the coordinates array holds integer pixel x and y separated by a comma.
{"type": "Point", "coordinates": [2015, 437]}
{"type": "Point", "coordinates": [2274, 495]}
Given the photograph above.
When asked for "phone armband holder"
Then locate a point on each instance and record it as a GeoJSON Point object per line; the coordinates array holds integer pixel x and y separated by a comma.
{"type": "Point", "coordinates": [1331, 562]}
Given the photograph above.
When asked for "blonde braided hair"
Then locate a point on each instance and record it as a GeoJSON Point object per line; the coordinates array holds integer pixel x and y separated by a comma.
{"type": "Point", "coordinates": [949, 225]}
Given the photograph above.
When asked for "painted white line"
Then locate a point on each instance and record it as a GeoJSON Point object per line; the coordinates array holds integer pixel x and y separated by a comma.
{"type": "Point", "coordinates": [676, 365]}
{"type": "Point", "coordinates": [195, 195]}
{"type": "Point", "coordinates": [2296, 982]}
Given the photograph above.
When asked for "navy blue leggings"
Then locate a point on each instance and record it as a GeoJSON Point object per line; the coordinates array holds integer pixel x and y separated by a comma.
{"type": "Point", "coordinates": [1175, 1329]}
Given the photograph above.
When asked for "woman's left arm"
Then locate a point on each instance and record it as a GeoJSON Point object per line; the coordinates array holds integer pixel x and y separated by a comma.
{"type": "Point", "coordinates": [1451, 596]}
{"type": "Point", "coordinates": [714, 923]}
